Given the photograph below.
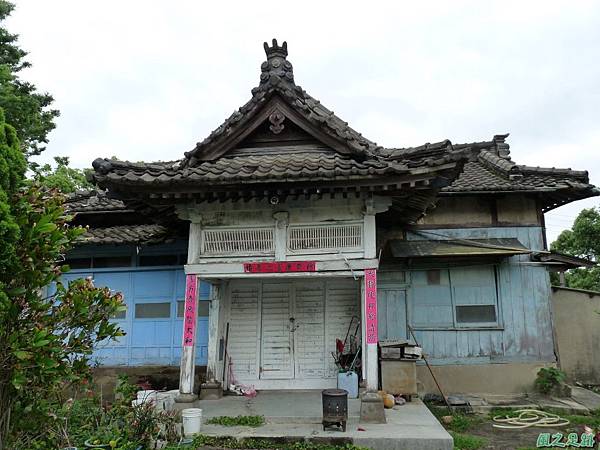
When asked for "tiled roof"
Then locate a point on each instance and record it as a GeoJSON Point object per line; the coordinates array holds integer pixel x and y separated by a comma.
{"type": "Point", "coordinates": [288, 166]}
{"type": "Point", "coordinates": [216, 162]}
{"type": "Point", "coordinates": [277, 78]}
{"type": "Point", "coordinates": [125, 234]}
{"type": "Point", "coordinates": [92, 201]}
{"type": "Point", "coordinates": [487, 171]}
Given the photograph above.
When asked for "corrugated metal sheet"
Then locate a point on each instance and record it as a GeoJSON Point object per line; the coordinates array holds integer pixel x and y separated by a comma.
{"type": "Point", "coordinates": [454, 247]}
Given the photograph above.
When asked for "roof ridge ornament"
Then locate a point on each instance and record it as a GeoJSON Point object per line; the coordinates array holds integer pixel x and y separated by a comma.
{"type": "Point", "coordinates": [276, 68]}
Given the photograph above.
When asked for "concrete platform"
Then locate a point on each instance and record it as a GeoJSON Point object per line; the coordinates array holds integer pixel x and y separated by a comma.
{"type": "Point", "coordinates": [296, 415]}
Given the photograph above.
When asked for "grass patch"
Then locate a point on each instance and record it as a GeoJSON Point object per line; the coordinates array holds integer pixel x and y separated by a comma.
{"type": "Point", "coordinates": [244, 421]}
{"type": "Point", "coordinates": [502, 412]}
{"type": "Point", "coordinates": [460, 422]}
{"type": "Point", "coordinates": [467, 442]}
{"type": "Point", "coordinates": [256, 443]}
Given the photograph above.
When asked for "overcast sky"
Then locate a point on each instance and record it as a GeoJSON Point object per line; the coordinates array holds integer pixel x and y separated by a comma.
{"type": "Point", "coordinates": [146, 80]}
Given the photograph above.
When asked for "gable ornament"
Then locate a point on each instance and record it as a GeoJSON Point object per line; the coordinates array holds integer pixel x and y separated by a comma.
{"type": "Point", "coordinates": [276, 118]}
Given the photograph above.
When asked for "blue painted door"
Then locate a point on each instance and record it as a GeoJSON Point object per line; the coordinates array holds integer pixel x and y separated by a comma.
{"type": "Point", "coordinates": [391, 313]}
{"type": "Point", "coordinates": [153, 320]}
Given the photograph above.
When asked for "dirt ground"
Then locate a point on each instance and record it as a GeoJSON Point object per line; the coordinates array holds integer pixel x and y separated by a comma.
{"type": "Point", "coordinates": [526, 438]}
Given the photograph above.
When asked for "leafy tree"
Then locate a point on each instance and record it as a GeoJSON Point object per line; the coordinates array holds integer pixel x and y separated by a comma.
{"type": "Point", "coordinates": [26, 109]}
{"type": "Point", "coordinates": [62, 177]}
{"type": "Point", "coordinates": [46, 334]}
{"type": "Point", "coordinates": [582, 240]}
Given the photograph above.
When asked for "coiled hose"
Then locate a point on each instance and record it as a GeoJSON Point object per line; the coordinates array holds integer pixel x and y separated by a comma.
{"type": "Point", "coordinates": [526, 418]}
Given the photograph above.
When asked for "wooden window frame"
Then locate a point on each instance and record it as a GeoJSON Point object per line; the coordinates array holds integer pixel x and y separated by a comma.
{"type": "Point", "coordinates": [455, 325]}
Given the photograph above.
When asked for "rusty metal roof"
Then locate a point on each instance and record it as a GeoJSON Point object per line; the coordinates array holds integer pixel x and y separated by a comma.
{"type": "Point", "coordinates": [457, 247]}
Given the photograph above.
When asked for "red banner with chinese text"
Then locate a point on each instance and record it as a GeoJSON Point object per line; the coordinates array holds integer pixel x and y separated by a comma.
{"type": "Point", "coordinates": [280, 267]}
{"type": "Point", "coordinates": [189, 316]}
{"type": "Point", "coordinates": [371, 305]}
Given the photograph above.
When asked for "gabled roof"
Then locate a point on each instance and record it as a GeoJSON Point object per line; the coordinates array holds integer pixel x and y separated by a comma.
{"type": "Point", "coordinates": [277, 86]}
{"type": "Point", "coordinates": [284, 141]}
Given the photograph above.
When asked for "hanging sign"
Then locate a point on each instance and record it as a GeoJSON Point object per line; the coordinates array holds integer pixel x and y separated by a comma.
{"type": "Point", "coordinates": [371, 305]}
{"type": "Point", "coordinates": [280, 267]}
{"type": "Point", "coordinates": [189, 316]}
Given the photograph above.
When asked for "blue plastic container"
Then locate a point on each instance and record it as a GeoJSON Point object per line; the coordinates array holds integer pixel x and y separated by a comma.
{"type": "Point", "coordinates": [349, 382]}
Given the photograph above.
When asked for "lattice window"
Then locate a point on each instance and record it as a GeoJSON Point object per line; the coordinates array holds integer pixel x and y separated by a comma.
{"type": "Point", "coordinates": [249, 241]}
{"type": "Point", "coordinates": [325, 237]}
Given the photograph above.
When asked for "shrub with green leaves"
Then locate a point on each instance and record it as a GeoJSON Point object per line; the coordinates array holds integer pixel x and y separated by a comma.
{"type": "Point", "coordinates": [548, 378]}
{"type": "Point", "coordinates": [46, 335]}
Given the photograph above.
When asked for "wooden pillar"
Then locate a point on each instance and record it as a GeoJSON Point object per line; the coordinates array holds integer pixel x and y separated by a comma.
{"type": "Point", "coordinates": [188, 351]}
{"type": "Point", "coordinates": [370, 360]}
{"type": "Point", "coordinates": [369, 295]}
{"type": "Point", "coordinates": [213, 372]}
{"type": "Point", "coordinates": [190, 319]}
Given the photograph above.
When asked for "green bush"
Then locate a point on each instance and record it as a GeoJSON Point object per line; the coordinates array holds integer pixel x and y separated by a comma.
{"type": "Point", "coordinates": [548, 378]}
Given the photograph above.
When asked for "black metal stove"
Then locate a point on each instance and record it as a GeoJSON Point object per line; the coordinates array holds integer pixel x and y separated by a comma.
{"type": "Point", "coordinates": [335, 408]}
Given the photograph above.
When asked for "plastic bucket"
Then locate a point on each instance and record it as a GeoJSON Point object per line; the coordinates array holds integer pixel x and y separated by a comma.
{"type": "Point", "coordinates": [147, 396]}
{"type": "Point", "coordinates": [192, 419]}
{"type": "Point", "coordinates": [164, 401]}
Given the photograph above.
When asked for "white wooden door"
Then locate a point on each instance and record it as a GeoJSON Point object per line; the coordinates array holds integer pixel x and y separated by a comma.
{"type": "Point", "coordinates": [277, 344]}
{"type": "Point", "coordinates": [271, 351]}
{"type": "Point", "coordinates": [244, 331]}
{"type": "Point", "coordinates": [309, 326]}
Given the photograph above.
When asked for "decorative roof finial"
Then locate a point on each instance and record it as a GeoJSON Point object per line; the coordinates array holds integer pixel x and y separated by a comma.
{"type": "Point", "coordinates": [276, 67]}
{"type": "Point", "coordinates": [276, 50]}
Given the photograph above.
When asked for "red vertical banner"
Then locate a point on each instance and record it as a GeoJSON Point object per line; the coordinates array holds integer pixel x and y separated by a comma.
{"type": "Point", "coordinates": [371, 305]}
{"type": "Point", "coordinates": [189, 316]}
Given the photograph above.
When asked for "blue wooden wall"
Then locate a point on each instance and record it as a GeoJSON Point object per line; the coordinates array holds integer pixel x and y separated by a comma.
{"type": "Point", "coordinates": [523, 332]}
{"type": "Point", "coordinates": [151, 341]}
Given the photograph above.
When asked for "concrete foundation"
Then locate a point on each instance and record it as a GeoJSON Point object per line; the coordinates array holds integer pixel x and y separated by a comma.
{"type": "Point", "coordinates": [296, 416]}
{"type": "Point", "coordinates": [158, 377]}
{"type": "Point", "coordinates": [480, 379]}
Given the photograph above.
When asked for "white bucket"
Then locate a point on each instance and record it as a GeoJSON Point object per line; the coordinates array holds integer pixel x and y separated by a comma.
{"type": "Point", "coordinates": [192, 419]}
{"type": "Point", "coordinates": [136, 402]}
{"type": "Point", "coordinates": [147, 396]}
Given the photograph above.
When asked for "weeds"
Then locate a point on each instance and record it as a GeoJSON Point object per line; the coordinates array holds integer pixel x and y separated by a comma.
{"type": "Point", "coordinates": [244, 421]}
{"type": "Point", "coordinates": [254, 443]}
{"type": "Point", "coordinates": [467, 442]}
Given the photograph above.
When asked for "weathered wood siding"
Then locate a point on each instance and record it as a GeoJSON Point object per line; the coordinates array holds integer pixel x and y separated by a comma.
{"type": "Point", "coordinates": [524, 330]}
{"type": "Point", "coordinates": [483, 212]}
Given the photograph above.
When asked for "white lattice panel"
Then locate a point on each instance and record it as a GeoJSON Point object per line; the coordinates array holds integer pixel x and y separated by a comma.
{"type": "Point", "coordinates": [249, 241]}
{"type": "Point", "coordinates": [325, 237]}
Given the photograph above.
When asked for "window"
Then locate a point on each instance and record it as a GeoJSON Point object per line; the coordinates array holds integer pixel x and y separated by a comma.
{"type": "Point", "coordinates": [153, 310]}
{"type": "Point", "coordinates": [474, 295]}
{"type": "Point", "coordinates": [475, 314]}
{"type": "Point", "coordinates": [159, 260]}
{"type": "Point", "coordinates": [325, 237]}
{"type": "Point", "coordinates": [247, 241]}
{"type": "Point", "coordinates": [459, 297]}
{"type": "Point", "coordinates": [203, 307]}
{"type": "Point", "coordinates": [79, 263]}
{"type": "Point", "coordinates": [111, 261]}
{"type": "Point", "coordinates": [431, 299]}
